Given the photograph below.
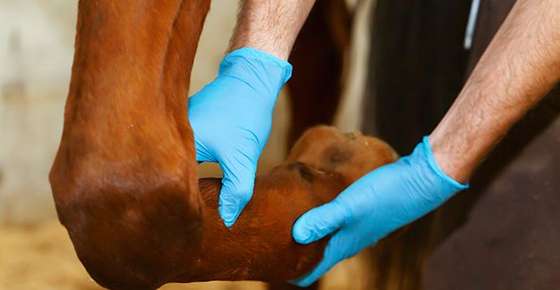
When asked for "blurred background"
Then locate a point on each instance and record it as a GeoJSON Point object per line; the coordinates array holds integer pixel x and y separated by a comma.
{"type": "Point", "coordinates": [36, 50]}
{"type": "Point", "coordinates": [403, 64]}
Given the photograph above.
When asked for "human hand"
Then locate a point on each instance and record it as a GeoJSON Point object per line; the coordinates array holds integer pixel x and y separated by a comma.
{"type": "Point", "coordinates": [374, 206]}
{"type": "Point", "coordinates": [231, 118]}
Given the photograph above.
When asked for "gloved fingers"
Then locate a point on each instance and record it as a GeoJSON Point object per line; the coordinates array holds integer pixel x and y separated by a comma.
{"type": "Point", "coordinates": [237, 186]}
{"type": "Point", "coordinates": [320, 222]}
{"type": "Point", "coordinates": [331, 257]}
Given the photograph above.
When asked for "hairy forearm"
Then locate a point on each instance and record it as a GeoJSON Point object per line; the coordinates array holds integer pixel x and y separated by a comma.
{"type": "Point", "coordinates": [519, 67]}
{"type": "Point", "coordinates": [270, 25]}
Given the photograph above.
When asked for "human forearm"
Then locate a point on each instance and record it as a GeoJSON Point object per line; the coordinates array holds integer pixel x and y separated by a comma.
{"type": "Point", "coordinates": [519, 67]}
{"type": "Point", "coordinates": [269, 25]}
{"type": "Point", "coordinates": [231, 117]}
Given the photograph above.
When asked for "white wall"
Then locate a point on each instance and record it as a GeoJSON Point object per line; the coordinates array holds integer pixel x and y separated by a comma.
{"type": "Point", "coordinates": [35, 57]}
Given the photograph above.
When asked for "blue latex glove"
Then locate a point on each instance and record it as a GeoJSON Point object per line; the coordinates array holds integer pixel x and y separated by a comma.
{"type": "Point", "coordinates": [231, 118]}
{"type": "Point", "coordinates": [374, 206]}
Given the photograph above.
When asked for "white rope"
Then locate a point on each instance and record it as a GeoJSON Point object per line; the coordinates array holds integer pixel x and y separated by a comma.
{"type": "Point", "coordinates": [471, 24]}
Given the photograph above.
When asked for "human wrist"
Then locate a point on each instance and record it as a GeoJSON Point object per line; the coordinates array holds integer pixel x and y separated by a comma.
{"type": "Point", "coordinates": [249, 35]}
{"type": "Point", "coordinates": [260, 70]}
{"type": "Point", "coordinates": [254, 54]}
{"type": "Point", "coordinates": [279, 51]}
{"type": "Point", "coordinates": [444, 174]}
{"type": "Point", "coordinates": [451, 158]}
{"type": "Point", "coordinates": [270, 26]}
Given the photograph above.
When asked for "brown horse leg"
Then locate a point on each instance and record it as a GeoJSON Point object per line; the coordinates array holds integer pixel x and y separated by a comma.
{"type": "Point", "coordinates": [124, 179]}
{"type": "Point", "coordinates": [318, 59]}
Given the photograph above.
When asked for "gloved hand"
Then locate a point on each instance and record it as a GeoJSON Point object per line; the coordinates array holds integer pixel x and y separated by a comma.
{"type": "Point", "coordinates": [374, 206]}
{"type": "Point", "coordinates": [231, 118]}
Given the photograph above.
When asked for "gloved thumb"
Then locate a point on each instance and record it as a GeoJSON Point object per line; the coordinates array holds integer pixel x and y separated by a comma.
{"type": "Point", "coordinates": [237, 187]}
{"type": "Point", "coordinates": [320, 222]}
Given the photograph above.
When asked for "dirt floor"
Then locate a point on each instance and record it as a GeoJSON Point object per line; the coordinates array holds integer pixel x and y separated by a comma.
{"type": "Point", "coordinates": [41, 257]}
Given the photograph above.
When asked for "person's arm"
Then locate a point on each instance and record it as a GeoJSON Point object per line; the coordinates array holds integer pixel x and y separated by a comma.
{"type": "Point", "coordinates": [520, 66]}
{"type": "Point", "coordinates": [231, 117]}
{"type": "Point", "coordinates": [270, 25]}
